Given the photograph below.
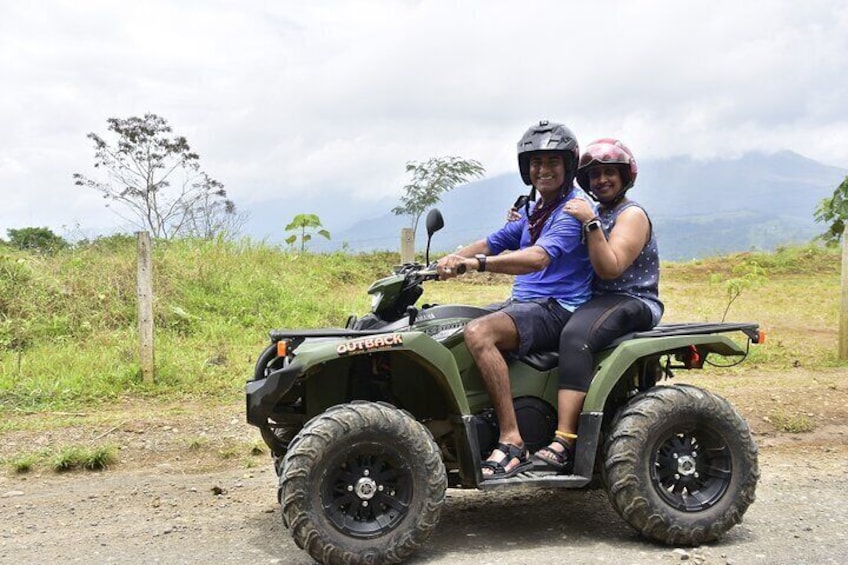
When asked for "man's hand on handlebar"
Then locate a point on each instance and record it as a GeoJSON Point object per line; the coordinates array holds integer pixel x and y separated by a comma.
{"type": "Point", "coordinates": [451, 266]}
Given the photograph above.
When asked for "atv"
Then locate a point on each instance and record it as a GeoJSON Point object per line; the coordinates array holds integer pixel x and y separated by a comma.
{"type": "Point", "coordinates": [370, 423]}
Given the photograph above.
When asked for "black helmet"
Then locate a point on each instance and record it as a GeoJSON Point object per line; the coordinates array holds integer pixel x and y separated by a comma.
{"type": "Point", "coordinates": [548, 136]}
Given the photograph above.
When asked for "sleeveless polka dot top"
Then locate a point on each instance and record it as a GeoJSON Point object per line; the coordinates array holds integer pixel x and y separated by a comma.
{"type": "Point", "coordinates": [641, 279]}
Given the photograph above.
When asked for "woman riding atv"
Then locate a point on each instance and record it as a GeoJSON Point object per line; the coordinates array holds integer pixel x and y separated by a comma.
{"type": "Point", "coordinates": [623, 252]}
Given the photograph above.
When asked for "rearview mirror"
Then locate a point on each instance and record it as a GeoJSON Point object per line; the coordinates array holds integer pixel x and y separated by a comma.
{"type": "Point", "coordinates": [435, 222]}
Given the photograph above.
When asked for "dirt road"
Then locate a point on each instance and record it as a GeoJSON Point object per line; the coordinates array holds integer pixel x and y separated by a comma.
{"type": "Point", "coordinates": [166, 515]}
{"type": "Point", "coordinates": [185, 490]}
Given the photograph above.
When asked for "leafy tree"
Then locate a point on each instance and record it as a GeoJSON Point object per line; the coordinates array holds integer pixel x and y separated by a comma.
{"type": "Point", "coordinates": [833, 211]}
{"type": "Point", "coordinates": [301, 223]}
{"type": "Point", "coordinates": [432, 179]}
{"type": "Point", "coordinates": [36, 239]}
{"type": "Point", "coordinates": [157, 178]}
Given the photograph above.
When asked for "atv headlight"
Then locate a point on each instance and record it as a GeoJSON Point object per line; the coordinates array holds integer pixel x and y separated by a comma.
{"type": "Point", "coordinates": [376, 298]}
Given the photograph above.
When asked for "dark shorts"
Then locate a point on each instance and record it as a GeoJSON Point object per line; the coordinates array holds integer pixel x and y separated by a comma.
{"type": "Point", "coordinates": [539, 323]}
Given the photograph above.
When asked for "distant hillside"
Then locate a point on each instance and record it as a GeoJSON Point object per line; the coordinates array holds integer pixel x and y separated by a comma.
{"type": "Point", "coordinates": [699, 208]}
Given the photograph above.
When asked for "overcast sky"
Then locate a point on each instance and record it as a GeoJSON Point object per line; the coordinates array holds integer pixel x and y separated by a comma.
{"type": "Point", "coordinates": [333, 98]}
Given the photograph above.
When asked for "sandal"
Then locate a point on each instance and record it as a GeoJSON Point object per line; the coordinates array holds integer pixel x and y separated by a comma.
{"type": "Point", "coordinates": [499, 467]}
{"type": "Point", "coordinates": [550, 458]}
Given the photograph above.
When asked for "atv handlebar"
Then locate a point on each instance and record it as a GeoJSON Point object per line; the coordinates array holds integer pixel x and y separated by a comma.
{"type": "Point", "coordinates": [430, 272]}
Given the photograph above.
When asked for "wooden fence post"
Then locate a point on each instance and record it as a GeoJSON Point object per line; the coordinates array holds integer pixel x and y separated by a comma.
{"type": "Point", "coordinates": [144, 293]}
{"type": "Point", "coordinates": [407, 245]}
{"type": "Point", "coordinates": [843, 310]}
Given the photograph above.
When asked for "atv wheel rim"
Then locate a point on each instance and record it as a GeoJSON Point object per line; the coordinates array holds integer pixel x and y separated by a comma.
{"type": "Point", "coordinates": [691, 470]}
{"type": "Point", "coordinates": [367, 491]}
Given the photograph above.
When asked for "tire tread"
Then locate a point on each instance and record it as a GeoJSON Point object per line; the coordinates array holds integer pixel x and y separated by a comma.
{"type": "Point", "coordinates": [629, 488]}
{"type": "Point", "coordinates": [321, 435]}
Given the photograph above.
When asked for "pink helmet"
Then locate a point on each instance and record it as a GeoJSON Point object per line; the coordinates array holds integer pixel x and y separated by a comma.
{"type": "Point", "coordinates": [607, 151]}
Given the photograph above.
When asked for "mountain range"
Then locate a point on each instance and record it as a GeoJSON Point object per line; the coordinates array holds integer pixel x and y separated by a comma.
{"type": "Point", "coordinates": [698, 207]}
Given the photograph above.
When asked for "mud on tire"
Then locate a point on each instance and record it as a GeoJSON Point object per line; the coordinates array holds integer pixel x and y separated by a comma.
{"type": "Point", "coordinates": [680, 465]}
{"type": "Point", "coordinates": [362, 483]}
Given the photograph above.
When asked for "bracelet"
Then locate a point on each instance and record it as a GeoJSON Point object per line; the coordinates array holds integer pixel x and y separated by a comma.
{"type": "Point", "coordinates": [565, 435]}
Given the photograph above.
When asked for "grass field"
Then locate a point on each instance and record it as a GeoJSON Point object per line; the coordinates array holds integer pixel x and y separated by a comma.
{"type": "Point", "coordinates": [67, 321]}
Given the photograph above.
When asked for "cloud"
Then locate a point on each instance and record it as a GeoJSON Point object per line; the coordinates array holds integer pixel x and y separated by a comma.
{"type": "Point", "coordinates": [335, 97]}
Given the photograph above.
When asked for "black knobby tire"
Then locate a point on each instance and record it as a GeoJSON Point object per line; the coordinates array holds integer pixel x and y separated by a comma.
{"type": "Point", "coordinates": [278, 438]}
{"type": "Point", "coordinates": [362, 483]}
{"type": "Point", "coordinates": [680, 465]}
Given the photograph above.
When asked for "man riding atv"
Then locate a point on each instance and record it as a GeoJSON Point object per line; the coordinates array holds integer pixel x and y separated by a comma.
{"type": "Point", "coordinates": [553, 278]}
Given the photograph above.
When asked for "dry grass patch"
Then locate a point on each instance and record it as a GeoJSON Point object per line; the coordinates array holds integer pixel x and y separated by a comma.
{"type": "Point", "coordinates": [791, 423]}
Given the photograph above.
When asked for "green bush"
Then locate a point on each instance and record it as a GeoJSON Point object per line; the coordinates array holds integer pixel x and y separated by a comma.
{"type": "Point", "coordinates": [41, 240]}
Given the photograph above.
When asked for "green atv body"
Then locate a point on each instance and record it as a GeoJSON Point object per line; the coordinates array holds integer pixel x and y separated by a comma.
{"type": "Point", "coordinates": [370, 423]}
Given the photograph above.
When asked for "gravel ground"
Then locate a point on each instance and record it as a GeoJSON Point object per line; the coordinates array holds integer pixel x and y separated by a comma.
{"type": "Point", "coordinates": [185, 490]}
{"type": "Point", "coordinates": [166, 515]}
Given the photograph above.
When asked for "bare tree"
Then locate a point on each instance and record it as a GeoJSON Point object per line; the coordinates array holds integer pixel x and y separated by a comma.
{"type": "Point", "coordinates": [157, 179]}
{"type": "Point", "coordinates": [213, 214]}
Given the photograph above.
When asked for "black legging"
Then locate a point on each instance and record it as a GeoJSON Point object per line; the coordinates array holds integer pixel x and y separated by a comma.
{"type": "Point", "coordinates": [593, 326]}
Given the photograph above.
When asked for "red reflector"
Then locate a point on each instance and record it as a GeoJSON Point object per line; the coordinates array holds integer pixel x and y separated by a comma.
{"type": "Point", "coordinates": [694, 359]}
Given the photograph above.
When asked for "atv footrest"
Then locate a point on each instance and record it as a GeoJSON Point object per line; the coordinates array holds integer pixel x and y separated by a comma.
{"type": "Point", "coordinates": [533, 478]}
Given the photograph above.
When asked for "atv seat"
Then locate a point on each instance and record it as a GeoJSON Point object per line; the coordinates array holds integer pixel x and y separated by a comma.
{"type": "Point", "coordinates": [547, 360]}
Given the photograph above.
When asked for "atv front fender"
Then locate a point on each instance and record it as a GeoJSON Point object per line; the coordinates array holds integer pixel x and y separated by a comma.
{"type": "Point", "coordinates": [315, 358]}
{"type": "Point", "coordinates": [263, 394]}
{"type": "Point", "coordinates": [611, 368]}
